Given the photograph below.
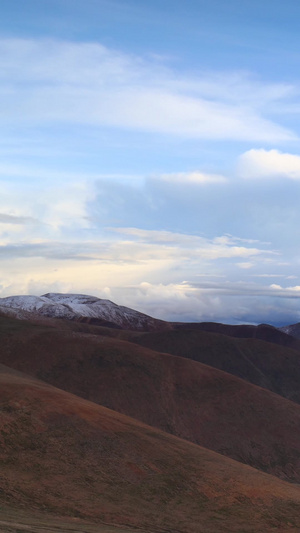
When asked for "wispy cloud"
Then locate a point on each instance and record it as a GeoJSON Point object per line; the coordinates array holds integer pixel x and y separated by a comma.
{"type": "Point", "coordinates": [198, 247]}
{"type": "Point", "coordinates": [137, 246]}
{"type": "Point", "coordinates": [196, 178]}
{"type": "Point", "coordinates": [52, 81]}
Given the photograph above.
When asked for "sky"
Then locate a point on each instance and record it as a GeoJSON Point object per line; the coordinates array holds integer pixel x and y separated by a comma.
{"type": "Point", "coordinates": [149, 154]}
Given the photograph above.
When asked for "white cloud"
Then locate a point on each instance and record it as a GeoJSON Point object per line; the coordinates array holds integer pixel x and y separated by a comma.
{"type": "Point", "coordinates": [293, 289]}
{"type": "Point", "coordinates": [194, 178]}
{"type": "Point", "coordinates": [245, 265]}
{"type": "Point", "coordinates": [47, 81]}
{"type": "Point", "coordinates": [257, 164]}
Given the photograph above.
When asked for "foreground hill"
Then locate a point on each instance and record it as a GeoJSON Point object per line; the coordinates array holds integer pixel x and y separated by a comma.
{"type": "Point", "coordinates": [183, 397]}
{"type": "Point", "coordinates": [66, 456]}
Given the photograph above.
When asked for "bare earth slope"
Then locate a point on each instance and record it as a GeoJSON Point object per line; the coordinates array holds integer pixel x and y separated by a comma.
{"type": "Point", "coordinates": [264, 332]}
{"type": "Point", "coordinates": [183, 397]}
{"type": "Point", "coordinates": [64, 455]}
{"type": "Point", "coordinates": [266, 364]}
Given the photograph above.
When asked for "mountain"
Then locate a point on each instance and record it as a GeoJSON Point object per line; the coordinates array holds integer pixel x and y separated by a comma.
{"type": "Point", "coordinates": [97, 311]}
{"type": "Point", "coordinates": [293, 330]}
{"type": "Point", "coordinates": [191, 400]}
{"type": "Point", "coordinates": [62, 456]}
{"type": "Point", "coordinates": [262, 355]}
{"type": "Point", "coordinates": [79, 307]}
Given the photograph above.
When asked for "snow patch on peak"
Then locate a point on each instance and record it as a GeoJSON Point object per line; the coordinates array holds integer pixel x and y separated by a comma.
{"type": "Point", "coordinates": [72, 298]}
{"type": "Point", "coordinates": [80, 306]}
{"type": "Point", "coordinates": [23, 302]}
{"type": "Point", "coordinates": [292, 329]}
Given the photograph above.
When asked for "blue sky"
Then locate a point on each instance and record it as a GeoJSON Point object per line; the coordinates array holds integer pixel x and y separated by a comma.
{"type": "Point", "coordinates": [150, 155]}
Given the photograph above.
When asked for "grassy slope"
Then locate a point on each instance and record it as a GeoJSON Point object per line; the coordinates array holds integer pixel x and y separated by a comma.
{"type": "Point", "coordinates": [70, 457]}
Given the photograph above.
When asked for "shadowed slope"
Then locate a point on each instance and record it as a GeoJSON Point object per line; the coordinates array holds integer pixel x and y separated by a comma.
{"type": "Point", "coordinates": [63, 454]}
{"type": "Point", "coordinates": [292, 330]}
{"type": "Point", "coordinates": [267, 365]}
{"type": "Point", "coordinates": [183, 397]}
{"type": "Point", "coordinates": [264, 332]}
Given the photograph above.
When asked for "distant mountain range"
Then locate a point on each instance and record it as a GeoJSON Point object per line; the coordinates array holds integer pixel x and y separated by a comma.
{"type": "Point", "coordinates": [112, 416]}
{"type": "Point", "coordinates": [93, 310]}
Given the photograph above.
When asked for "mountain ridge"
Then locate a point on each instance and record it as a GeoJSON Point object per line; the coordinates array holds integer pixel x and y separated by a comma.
{"type": "Point", "coordinates": [99, 311]}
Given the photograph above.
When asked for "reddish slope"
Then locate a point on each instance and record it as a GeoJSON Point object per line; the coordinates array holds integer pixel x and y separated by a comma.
{"type": "Point", "coordinates": [264, 332]}
{"type": "Point", "coordinates": [188, 399]}
{"type": "Point", "coordinates": [267, 365]}
{"type": "Point", "coordinates": [68, 456]}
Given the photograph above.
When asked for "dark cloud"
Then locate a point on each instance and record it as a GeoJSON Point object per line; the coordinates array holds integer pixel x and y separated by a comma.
{"type": "Point", "coordinates": [12, 219]}
{"type": "Point", "coordinates": [59, 251]}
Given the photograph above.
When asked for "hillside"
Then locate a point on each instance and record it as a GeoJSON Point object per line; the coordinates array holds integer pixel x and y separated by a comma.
{"type": "Point", "coordinates": [72, 458]}
{"type": "Point", "coordinates": [269, 365]}
{"type": "Point", "coordinates": [292, 330]}
{"type": "Point", "coordinates": [264, 332]}
{"type": "Point", "coordinates": [183, 397]}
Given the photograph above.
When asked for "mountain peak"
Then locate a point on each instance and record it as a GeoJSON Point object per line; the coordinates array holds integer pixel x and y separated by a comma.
{"type": "Point", "coordinates": [81, 307]}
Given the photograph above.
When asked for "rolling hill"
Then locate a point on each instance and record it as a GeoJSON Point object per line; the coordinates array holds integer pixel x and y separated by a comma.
{"type": "Point", "coordinates": [72, 458]}
{"type": "Point", "coordinates": [190, 400]}
{"type": "Point", "coordinates": [268, 365]}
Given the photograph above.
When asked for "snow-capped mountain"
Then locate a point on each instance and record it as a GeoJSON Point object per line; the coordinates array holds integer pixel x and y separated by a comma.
{"type": "Point", "coordinates": [293, 330]}
{"type": "Point", "coordinates": [78, 307]}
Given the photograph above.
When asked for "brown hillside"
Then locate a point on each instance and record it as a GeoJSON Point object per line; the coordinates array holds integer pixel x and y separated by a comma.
{"type": "Point", "coordinates": [267, 365]}
{"type": "Point", "coordinates": [64, 455]}
{"type": "Point", "coordinates": [183, 397]}
{"type": "Point", "coordinates": [264, 332]}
